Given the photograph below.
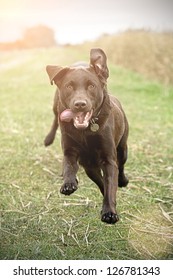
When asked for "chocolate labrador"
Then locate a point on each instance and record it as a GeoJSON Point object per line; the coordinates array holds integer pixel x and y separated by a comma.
{"type": "Point", "coordinates": [93, 126]}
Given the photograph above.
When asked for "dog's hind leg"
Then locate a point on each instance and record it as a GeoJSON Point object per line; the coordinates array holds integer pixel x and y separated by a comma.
{"type": "Point", "coordinates": [95, 175]}
{"type": "Point", "coordinates": [122, 157]}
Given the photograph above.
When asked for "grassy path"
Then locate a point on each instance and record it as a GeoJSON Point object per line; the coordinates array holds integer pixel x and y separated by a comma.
{"type": "Point", "coordinates": [36, 222]}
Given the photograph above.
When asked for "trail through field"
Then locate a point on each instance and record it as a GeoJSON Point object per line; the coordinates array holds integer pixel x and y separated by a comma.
{"type": "Point", "coordinates": [37, 222]}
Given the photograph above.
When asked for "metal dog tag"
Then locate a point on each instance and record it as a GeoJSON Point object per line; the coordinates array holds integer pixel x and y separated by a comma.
{"type": "Point", "coordinates": [94, 127]}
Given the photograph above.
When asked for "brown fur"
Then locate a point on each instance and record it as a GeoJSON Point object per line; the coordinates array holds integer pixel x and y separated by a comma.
{"type": "Point", "coordinates": [102, 153]}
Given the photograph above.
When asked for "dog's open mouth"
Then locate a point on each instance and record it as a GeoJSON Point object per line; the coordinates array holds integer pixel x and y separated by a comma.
{"type": "Point", "coordinates": [80, 119]}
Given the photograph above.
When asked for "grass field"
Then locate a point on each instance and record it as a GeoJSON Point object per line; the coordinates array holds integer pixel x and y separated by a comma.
{"type": "Point", "coordinates": [36, 221]}
{"type": "Point", "coordinates": [146, 52]}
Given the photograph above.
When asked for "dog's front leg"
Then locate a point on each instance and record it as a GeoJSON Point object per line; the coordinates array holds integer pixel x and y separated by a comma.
{"type": "Point", "coordinates": [110, 170]}
{"type": "Point", "coordinates": [70, 168]}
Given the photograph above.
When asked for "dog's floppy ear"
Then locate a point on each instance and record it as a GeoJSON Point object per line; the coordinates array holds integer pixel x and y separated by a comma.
{"type": "Point", "coordinates": [55, 73]}
{"type": "Point", "coordinates": [98, 61]}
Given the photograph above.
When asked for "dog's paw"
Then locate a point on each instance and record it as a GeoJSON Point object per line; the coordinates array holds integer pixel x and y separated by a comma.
{"type": "Point", "coordinates": [122, 181]}
{"type": "Point", "coordinates": [109, 218]}
{"type": "Point", "coordinates": [68, 188]}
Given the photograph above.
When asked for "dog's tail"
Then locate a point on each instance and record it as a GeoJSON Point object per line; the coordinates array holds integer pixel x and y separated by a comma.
{"type": "Point", "coordinates": [51, 135]}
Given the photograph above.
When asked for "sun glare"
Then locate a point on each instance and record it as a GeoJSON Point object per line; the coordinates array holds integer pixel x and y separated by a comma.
{"type": "Point", "coordinates": [75, 21]}
{"type": "Point", "coordinates": [11, 12]}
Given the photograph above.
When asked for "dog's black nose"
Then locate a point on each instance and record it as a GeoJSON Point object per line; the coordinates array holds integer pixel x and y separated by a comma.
{"type": "Point", "coordinates": [80, 104]}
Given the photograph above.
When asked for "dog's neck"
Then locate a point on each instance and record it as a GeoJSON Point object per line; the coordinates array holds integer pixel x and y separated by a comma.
{"type": "Point", "coordinates": [102, 112]}
{"type": "Point", "coordinates": [98, 111]}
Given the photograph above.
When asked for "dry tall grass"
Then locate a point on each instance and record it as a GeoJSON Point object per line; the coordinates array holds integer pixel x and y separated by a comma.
{"type": "Point", "coordinates": [146, 52]}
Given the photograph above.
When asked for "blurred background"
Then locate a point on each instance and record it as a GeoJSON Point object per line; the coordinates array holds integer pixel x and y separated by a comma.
{"type": "Point", "coordinates": [136, 34]}
{"type": "Point", "coordinates": [77, 21]}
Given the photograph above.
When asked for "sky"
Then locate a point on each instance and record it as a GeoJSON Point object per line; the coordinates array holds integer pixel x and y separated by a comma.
{"type": "Point", "coordinates": [75, 21]}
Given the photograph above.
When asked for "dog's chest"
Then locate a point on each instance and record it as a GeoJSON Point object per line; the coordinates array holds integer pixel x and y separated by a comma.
{"type": "Point", "coordinates": [90, 150]}
{"type": "Point", "coordinates": [88, 145]}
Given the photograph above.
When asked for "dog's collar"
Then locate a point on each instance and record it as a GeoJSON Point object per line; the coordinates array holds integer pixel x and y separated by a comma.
{"type": "Point", "coordinates": [94, 126]}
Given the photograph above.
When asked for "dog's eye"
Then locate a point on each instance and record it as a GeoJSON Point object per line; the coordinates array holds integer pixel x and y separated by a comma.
{"type": "Point", "coordinates": [91, 86]}
{"type": "Point", "coordinates": [69, 86]}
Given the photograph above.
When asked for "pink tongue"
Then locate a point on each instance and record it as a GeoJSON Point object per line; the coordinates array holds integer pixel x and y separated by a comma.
{"type": "Point", "coordinates": [67, 115]}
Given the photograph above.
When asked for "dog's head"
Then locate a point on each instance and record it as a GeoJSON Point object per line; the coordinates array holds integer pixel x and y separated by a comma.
{"type": "Point", "coordinates": [82, 88]}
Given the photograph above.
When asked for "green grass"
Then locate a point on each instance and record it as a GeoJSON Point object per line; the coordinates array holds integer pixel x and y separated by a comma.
{"type": "Point", "coordinates": [36, 222]}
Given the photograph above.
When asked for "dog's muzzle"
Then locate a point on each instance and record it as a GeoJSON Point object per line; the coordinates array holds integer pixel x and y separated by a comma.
{"type": "Point", "coordinates": [81, 120]}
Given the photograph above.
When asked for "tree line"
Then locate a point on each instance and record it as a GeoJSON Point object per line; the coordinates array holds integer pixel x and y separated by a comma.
{"type": "Point", "coordinates": [33, 37]}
